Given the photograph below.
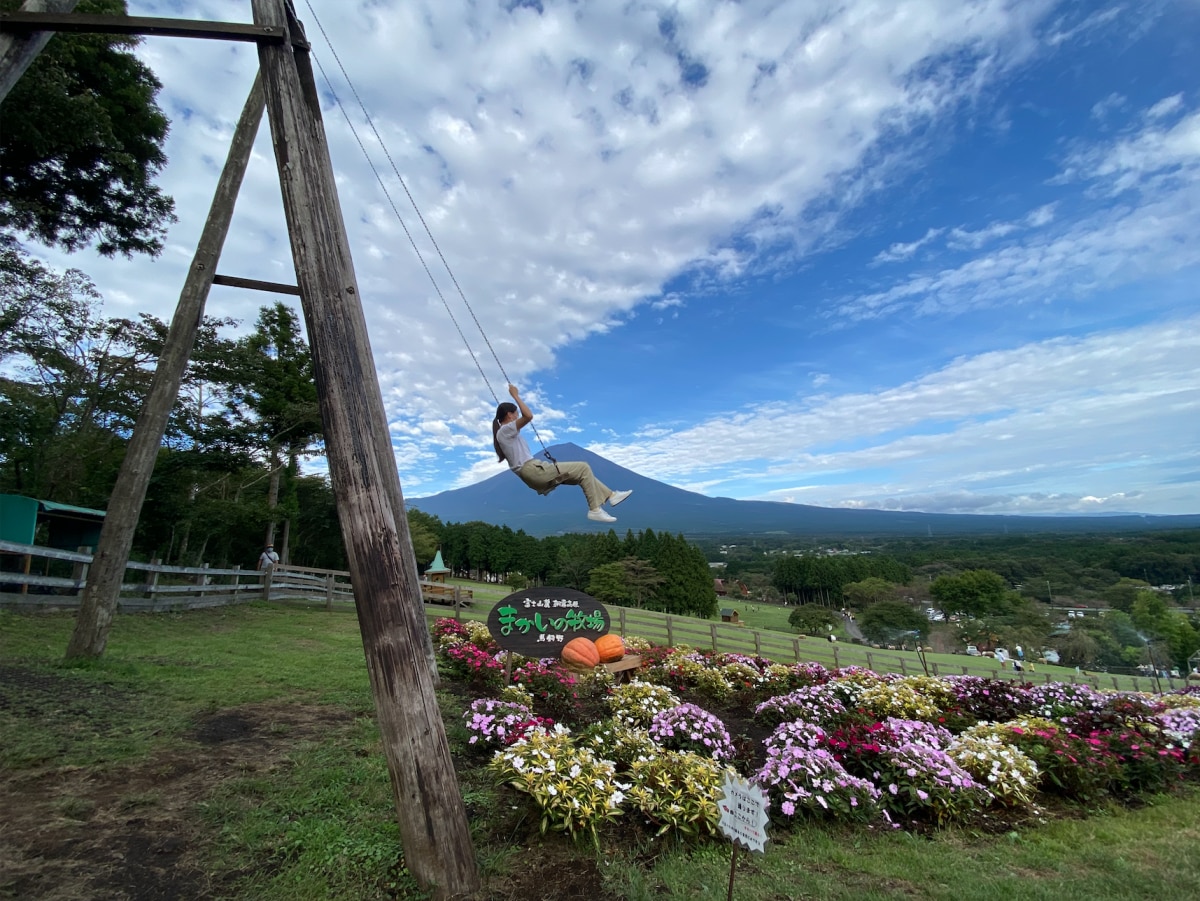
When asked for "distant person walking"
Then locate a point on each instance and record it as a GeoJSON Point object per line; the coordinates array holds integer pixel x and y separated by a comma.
{"type": "Point", "coordinates": [542, 475]}
{"type": "Point", "coordinates": [268, 558]}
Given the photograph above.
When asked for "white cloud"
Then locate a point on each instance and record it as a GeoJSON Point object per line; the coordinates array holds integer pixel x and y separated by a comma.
{"type": "Point", "coordinates": [566, 165]}
{"type": "Point", "coordinates": [1156, 232]}
{"type": "Point", "coordinates": [1082, 414]}
{"type": "Point", "coordinates": [904, 251]}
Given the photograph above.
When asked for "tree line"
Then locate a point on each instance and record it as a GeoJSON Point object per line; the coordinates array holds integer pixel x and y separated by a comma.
{"type": "Point", "coordinates": [656, 571]}
{"type": "Point", "coordinates": [816, 578]}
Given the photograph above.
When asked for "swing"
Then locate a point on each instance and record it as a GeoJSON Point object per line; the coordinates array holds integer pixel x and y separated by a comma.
{"type": "Point", "coordinates": [561, 478]}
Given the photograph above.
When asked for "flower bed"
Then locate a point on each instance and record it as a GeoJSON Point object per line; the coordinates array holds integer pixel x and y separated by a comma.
{"type": "Point", "coordinates": [849, 744]}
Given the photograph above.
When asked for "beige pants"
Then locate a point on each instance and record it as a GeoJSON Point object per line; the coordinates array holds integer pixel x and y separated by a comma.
{"type": "Point", "coordinates": [542, 477]}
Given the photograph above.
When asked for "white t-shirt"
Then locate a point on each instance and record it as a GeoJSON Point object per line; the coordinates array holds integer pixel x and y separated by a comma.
{"type": "Point", "coordinates": [516, 451]}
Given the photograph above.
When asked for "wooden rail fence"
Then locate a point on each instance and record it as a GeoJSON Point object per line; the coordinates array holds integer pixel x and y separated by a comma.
{"type": "Point", "coordinates": [154, 586]}
{"type": "Point", "coordinates": [727, 637]}
{"type": "Point", "coordinates": [166, 588]}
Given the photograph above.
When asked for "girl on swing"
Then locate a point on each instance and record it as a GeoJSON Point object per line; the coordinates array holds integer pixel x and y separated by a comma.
{"type": "Point", "coordinates": [544, 476]}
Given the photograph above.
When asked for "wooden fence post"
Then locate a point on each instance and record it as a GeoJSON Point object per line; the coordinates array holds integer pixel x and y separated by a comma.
{"type": "Point", "coordinates": [267, 576]}
{"type": "Point", "coordinates": [670, 634]}
{"type": "Point", "coordinates": [458, 603]}
{"type": "Point", "coordinates": [796, 648]}
{"type": "Point", "coordinates": [621, 620]}
{"type": "Point", "coordinates": [712, 629]}
{"type": "Point", "coordinates": [151, 581]}
{"type": "Point", "coordinates": [329, 592]}
{"type": "Point", "coordinates": [202, 580]}
{"type": "Point", "coordinates": [79, 571]}
{"type": "Point", "coordinates": [870, 661]}
{"type": "Point", "coordinates": [903, 667]}
{"type": "Point", "coordinates": [757, 644]}
{"type": "Point", "coordinates": [836, 665]}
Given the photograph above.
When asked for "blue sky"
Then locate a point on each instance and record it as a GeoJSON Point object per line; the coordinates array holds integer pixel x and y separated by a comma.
{"type": "Point", "coordinates": [937, 255]}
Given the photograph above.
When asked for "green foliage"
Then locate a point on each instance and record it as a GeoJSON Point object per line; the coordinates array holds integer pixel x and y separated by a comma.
{"type": "Point", "coordinates": [576, 791]}
{"type": "Point", "coordinates": [629, 581]}
{"type": "Point", "coordinates": [687, 583]}
{"type": "Point", "coordinates": [607, 582]}
{"type": "Point", "coordinates": [74, 385]}
{"type": "Point", "coordinates": [976, 593]}
{"type": "Point", "coordinates": [869, 591]}
{"type": "Point", "coordinates": [812, 577]}
{"type": "Point", "coordinates": [677, 791]}
{"type": "Point", "coordinates": [77, 163]}
{"type": "Point", "coordinates": [1122, 594]}
{"type": "Point", "coordinates": [1015, 621]}
{"type": "Point", "coordinates": [894, 621]}
{"type": "Point", "coordinates": [812, 620]}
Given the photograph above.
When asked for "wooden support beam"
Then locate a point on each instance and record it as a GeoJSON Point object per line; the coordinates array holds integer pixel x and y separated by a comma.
{"type": "Point", "coordinates": [362, 469]}
{"type": "Point", "coordinates": [99, 600]}
{"type": "Point", "coordinates": [18, 50]}
{"type": "Point", "coordinates": [254, 284]}
{"type": "Point", "coordinates": [27, 22]}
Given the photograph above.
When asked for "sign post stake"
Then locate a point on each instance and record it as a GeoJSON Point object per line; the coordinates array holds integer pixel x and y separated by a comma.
{"type": "Point", "coordinates": [732, 867]}
{"type": "Point", "coordinates": [743, 818]}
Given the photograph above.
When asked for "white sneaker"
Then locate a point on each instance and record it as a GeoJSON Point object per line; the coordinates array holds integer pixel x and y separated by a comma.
{"type": "Point", "coordinates": [617, 496]}
{"type": "Point", "coordinates": [599, 515]}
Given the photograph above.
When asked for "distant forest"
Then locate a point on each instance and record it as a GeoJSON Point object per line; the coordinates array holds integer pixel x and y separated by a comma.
{"type": "Point", "coordinates": [1058, 569]}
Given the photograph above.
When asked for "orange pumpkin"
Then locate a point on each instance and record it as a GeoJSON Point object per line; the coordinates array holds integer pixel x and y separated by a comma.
{"type": "Point", "coordinates": [610, 647]}
{"type": "Point", "coordinates": [581, 652]}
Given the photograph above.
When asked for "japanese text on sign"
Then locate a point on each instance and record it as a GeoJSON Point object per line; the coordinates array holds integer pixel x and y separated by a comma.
{"type": "Point", "coordinates": [571, 621]}
{"type": "Point", "coordinates": [528, 603]}
{"type": "Point", "coordinates": [743, 812]}
{"type": "Point", "coordinates": [539, 622]}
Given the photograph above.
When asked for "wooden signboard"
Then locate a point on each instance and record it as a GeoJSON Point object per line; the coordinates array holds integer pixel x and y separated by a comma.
{"type": "Point", "coordinates": [538, 622]}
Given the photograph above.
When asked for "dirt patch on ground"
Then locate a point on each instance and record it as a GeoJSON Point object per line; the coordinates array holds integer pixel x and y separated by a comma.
{"type": "Point", "coordinates": [133, 832]}
{"type": "Point", "coordinates": [130, 833]}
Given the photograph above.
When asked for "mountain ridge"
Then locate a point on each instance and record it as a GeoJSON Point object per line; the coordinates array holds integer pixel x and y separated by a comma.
{"type": "Point", "coordinates": [504, 500]}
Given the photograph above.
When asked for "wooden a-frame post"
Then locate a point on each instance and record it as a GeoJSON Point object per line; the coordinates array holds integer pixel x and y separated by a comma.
{"type": "Point", "coordinates": [362, 468]}
{"type": "Point", "coordinates": [99, 600]}
{"type": "Point", "coordinates": [18, 51]}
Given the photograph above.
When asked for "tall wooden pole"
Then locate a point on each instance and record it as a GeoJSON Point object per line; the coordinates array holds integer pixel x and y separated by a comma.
{"type": "Point", "coordinates": [433, 822]}
{"type": "Point", "coordinates": [17, 52]}
{"type": "Point", "coordinates": [103, 588]}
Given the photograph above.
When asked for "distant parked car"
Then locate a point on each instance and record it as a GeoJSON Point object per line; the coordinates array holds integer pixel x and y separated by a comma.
{"type": "Point", "coordinates": [1049, 655]}
{"type": "Point", "coordinates": [972, 651]}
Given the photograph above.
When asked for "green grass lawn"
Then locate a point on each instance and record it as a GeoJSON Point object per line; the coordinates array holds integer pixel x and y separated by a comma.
{"type": "Point", "coordinates": [299, 806]}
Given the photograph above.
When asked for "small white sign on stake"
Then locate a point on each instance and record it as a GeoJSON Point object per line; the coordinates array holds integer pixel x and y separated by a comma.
{"type": "Point", "coordinates": [743, 812]}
